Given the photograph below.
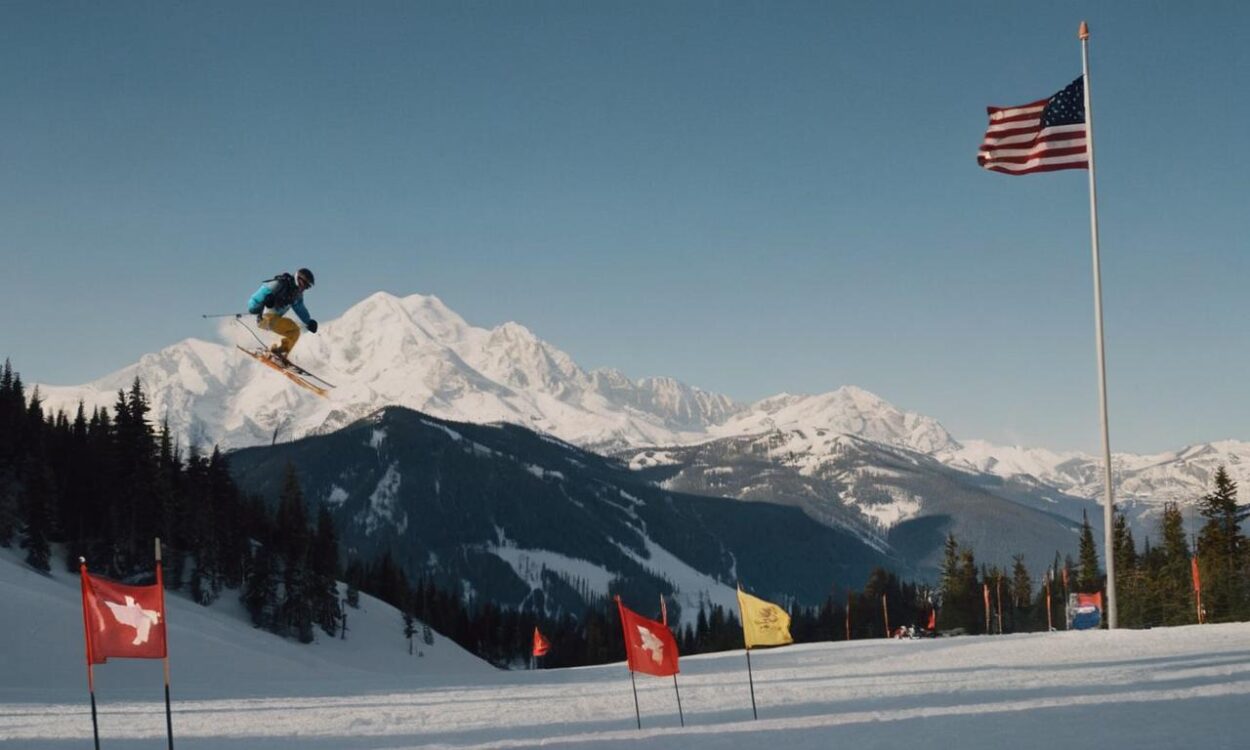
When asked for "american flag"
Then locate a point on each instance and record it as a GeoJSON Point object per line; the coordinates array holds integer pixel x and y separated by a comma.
{"type": "Point", "coordinates": [1042, 136]}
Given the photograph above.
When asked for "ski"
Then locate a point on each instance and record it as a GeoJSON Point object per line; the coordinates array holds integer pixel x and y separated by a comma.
{"type": "Point", "coordinates": [290, 370]}
{"type": "Point", "coordinates": [300, 370]}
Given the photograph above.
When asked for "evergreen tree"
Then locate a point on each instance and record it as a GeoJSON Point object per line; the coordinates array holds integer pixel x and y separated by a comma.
{"type": "Point", "coordinates": [324, 561]}
{"type": "Point", "coordinates": [1170, 572]}
{"type": "Point", "coordinates": [410, 628]}
{"type": "Point", "coordinates": [37, 527]}
{"type": "Point", "coordinates": [972, 606]}
{"type": "Point", "coordinates": [293, 541]}
{"type": "Point", "coordinates": [1021, 596]}
{"type": "Point", "coordinates": [260, 590]}
{"type": "Point", "coordinates": [1131, 589]}
{"type": "Point", "coordinates": [1221, 550]}
{"type": "Point", "coordinates": [37, 502]}
{"type": "Point", "coordinates": [1089, 574]}
{"type": "Point", "coordinates": [354, 576]}
{"type": "Point", "coordinates": [953, 588]}
{"type": "Point", "coordinates": [8, 510]}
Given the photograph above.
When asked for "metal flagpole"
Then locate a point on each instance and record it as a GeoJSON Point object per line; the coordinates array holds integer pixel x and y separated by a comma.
{"type": "Point", "coordinates": [1049, 624]}
{"type": "Point", "coordinates": [1109, 509]}
{"type": "Point", "coordinates": [751, 682]}
{"type": "Point", "coordinates": [747, 647]}
{"type": "Point", "coordinates": [679, 711]}
{"type": "Point", "coordinates": [1197, 585]}
{"type": "Point", "coordinates": [637, 713]}
{"type": "Point", "coordinates": [160, 585]}
{"type": "Point", "coordinates": [998, 593]}
{"type": "Point", "coordinates": [86, 633]}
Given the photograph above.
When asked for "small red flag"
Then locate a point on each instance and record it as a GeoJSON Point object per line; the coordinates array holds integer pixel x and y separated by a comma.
{"type": "Point", "coordinates": [1193, 564]}
{"type": "Point", "coordinates": [122, 621]}
{"type": "Point", "coordinates": [932, 619]}
{"type": "Point", "coordinates": [541, 645]}
{"type": "Point", "coordinates": [649, 645]}
{"type": "Point", "coordinates": [1089, 600]}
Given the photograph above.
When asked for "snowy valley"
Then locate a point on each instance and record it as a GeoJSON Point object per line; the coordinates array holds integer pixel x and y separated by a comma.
{"type": "Point", "coordinates": [235, 687]}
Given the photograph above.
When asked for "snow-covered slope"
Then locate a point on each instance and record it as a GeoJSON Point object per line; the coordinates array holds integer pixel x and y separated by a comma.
{"type": "Point", "coordinates": [1149, 690]}
{"type": "Point", "coordinates": [214, 651]}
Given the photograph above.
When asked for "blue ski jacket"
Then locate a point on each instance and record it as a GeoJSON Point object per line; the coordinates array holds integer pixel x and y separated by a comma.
{"type": "Point", "coordinates": [256, 305]}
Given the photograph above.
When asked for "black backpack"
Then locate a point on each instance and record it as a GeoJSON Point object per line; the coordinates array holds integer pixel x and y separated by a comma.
{"type": "Point", "coordinates": [285, 293]}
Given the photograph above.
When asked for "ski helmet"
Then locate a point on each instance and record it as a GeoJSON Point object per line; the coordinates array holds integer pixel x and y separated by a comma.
{"type": "Point", "coordinates": [305, 276]}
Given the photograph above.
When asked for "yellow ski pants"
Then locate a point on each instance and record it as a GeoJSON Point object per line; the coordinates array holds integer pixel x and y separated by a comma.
{"type": "Point", "coordinates": [284, 327]}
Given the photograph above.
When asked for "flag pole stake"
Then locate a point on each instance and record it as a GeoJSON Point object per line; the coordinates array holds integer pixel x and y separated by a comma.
{"type": "Point", "coordinates": [1049, 624]}
{"type": "Point", "coordinates": [751, 680]}
{"type": "Point", "coordinates": [95, 727]}
{"type": "Point", "coordinates": [746, 646]}
{"type": "Point", "coordinates": [86, 635]}
{"type": "Point", "coordinates": [680, 715]}
{"type": "Point", "coordinates": [1109, 507]}
{"type": "Point", "coordinates": [637, 713]}
{"type": "Point", "coordinates": [160, 584]}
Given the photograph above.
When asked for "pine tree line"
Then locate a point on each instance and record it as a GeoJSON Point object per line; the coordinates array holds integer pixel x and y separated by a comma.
{"type": "Point", "coordinates": [104, 485]}
{"type": "Point", "coordinates": [1154, 586]}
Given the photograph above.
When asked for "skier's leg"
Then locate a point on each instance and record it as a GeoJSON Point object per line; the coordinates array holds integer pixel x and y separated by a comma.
{"type": "Point", "coordinates": [287, 329]}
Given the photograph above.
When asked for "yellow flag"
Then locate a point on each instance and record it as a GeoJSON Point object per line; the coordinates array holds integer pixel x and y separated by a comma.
{"type": "Point", "coordinates": [763, 623]}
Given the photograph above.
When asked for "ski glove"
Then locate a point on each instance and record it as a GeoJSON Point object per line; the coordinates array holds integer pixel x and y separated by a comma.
{"type": "Point", "coordinates": [312, 326]}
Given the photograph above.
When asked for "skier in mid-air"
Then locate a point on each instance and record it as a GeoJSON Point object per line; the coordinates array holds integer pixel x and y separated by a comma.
{"type": "Point", "coordinates": [279, 294]}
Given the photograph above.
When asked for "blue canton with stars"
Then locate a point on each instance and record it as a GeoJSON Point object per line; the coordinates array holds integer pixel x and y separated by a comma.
{"type": "Point", "coordinates": [1067, 107]}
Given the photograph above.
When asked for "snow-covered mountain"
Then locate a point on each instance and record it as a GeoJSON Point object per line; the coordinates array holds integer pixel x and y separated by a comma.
{"type": "Point", "coordinates": [523, 520]}
{"type": "Point", "coordinates": [847, 411]}
{"type": "Point", "coordinates": [1143, 483]}
{"type": "Point", "coordinates": [413, 352]}
{"type": "Point", "coordinates": [416, 352]}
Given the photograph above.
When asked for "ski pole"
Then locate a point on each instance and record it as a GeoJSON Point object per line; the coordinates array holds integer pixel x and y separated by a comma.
{"type": "Point", "coordinates": [224, 315]}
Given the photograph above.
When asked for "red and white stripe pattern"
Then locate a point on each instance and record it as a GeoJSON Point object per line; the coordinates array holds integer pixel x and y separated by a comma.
{"type": "Point", "coordinates": [1042, 136]}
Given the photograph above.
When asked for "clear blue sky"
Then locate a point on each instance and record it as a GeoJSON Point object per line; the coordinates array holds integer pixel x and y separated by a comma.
{"type": "Point", "coordinates": [749, 196]}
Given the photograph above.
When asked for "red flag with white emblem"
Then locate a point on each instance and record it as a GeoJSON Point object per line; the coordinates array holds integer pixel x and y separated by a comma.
{"type": "Point", "coordinates": [649, 645]}
{"type": "Point", "coordinates": [122, 621]}
{"type": "Point", "coordinates": [541, 645]}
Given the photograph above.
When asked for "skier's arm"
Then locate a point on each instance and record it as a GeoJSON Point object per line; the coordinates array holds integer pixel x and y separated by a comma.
{"type": "Point", "coordinates": [256, 305]}
{"type": "Point", "coordinates": [302, 312]}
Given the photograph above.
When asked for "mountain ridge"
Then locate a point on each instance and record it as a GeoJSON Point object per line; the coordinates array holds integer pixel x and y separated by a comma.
{"type": "Point", "coordinates": [416, 352]}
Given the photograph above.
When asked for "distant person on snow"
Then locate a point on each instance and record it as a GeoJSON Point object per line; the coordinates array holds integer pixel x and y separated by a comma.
{"type": "Point", "coordinates": [281, 293]}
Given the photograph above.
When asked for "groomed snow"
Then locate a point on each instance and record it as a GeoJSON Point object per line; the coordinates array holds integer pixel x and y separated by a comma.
{"type": "Point", "coordinates": [237, 688]}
